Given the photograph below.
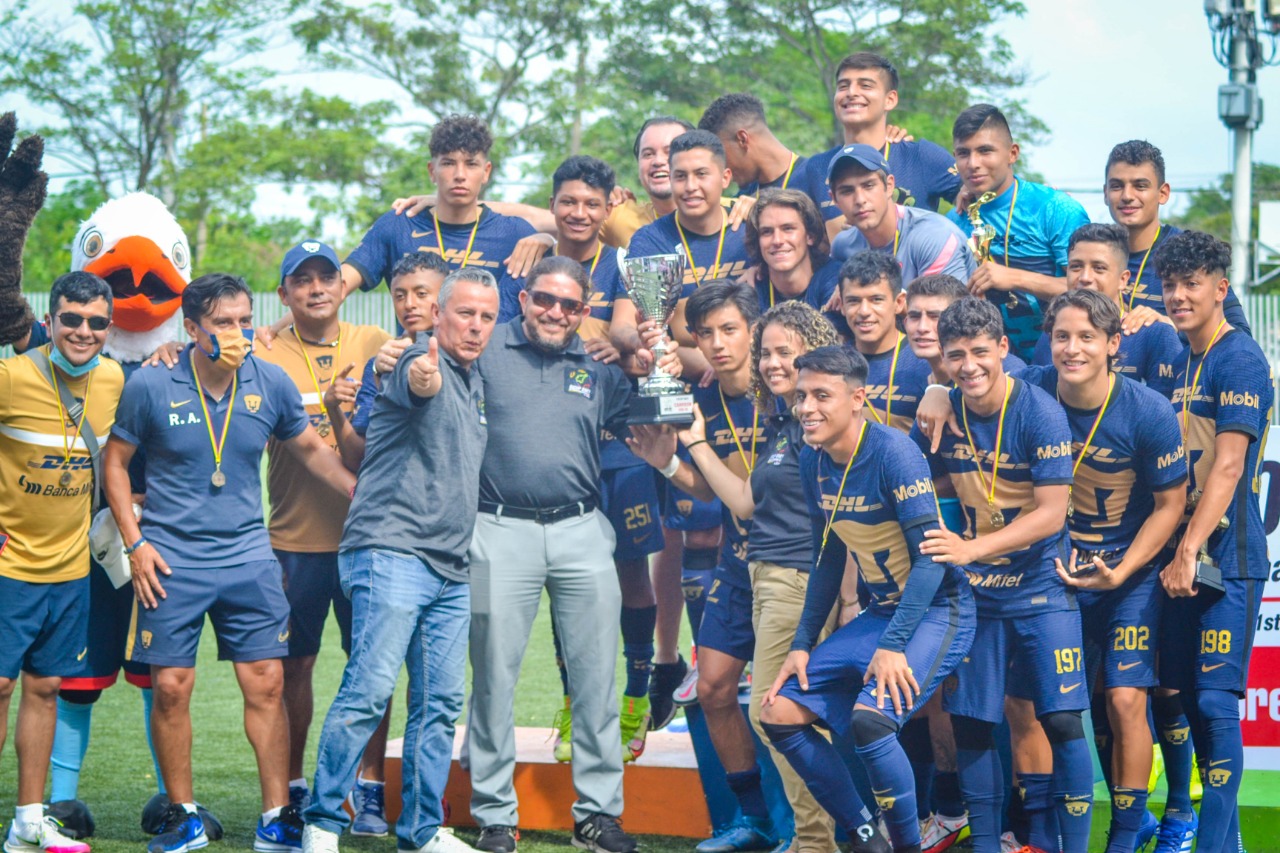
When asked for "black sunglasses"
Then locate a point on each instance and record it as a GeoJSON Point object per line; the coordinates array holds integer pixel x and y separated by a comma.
{"type": "Point", "coordinates": [72, 320]}
{"type": "Point", "coordinates": [545, 300]}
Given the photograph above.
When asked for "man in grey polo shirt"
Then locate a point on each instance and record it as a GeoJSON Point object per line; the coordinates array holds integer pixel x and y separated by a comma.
{"type": "Point", "coordinates": [403, 562]}
{"type": "Point", "coordinates": [547, 401]}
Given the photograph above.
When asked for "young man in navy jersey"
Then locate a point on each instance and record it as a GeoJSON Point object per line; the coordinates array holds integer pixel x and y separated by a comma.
{"type": "Point", "coordinates": [1096, 260]}
{"type": "Point", "coordinates": [871, 488]}
{"type": "Point", "coordinates": [1127, 497]}
{"type": "Point", "coordinates": [1135, 189]}
{"type": "Point", "coordinates": [757, 159]}
{"type": "Point", "coordinates": [1032, 224]}
{"type": "Point", "coordinates": [1011, 469]}
{"type": "Point", "coordinates": [787, 244]}
{"type": "Point", "coordinates": [866, 91]}
{"type": "Point", "coordinates": [1223, 398]}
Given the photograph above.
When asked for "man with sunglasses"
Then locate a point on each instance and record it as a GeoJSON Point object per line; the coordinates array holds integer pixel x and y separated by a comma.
{"type": "Point", "coordinates": [47, 451]}
{"type": "Point", "coordinates": [539, 526]}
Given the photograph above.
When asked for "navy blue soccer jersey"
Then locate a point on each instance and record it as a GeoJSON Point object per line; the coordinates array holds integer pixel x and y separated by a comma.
{"type": "Point", "coordinates": [792, 178]}
{"type": "Point", "coordinates": [1145, 356]}
{"type": "Point", "coordinates": [1232, 393]}
{"type": "Point", "coordinates": [736, 431]}
{"type": "Point", "coordinates": [1035, 450]}
{"type": "Point", "coordinates": [896, 381]}
{"type": "Point", "coordinates": [822, 287]}
{"type": "Point", "coordinates": [923, 175]}
{"type": "Point", "coordinates": [707, 257]}
{"type": "Point", "coordinates": [1147, 288]}
{"type": "Point", "coordinates": [1135, 452]}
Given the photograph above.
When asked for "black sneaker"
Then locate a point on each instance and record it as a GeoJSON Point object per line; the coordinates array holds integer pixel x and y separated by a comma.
{"type": "Point", "coordinates": [497, 838]}
{"type": "Point", "coordinates": [867, 839]}
{"type": "Point", "coordinates": [602, 834]}
{"type": "Point", "coordinates": [665, 679]}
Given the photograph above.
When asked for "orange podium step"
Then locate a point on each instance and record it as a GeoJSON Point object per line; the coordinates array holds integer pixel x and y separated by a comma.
{"type": "Point", "coordinates": [661, 789]}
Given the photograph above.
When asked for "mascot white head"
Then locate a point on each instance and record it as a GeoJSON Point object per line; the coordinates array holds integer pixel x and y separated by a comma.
{"type": "Point", "coordinates": [135, 244]}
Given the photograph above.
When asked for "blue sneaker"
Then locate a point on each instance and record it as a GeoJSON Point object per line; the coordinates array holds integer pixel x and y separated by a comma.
{"type": "Point", "coordinates": [1176, 836]}
{"type": "Point", "coordinates": [1147, 831]}
{"type": "Point", "coordinates": [282, 835]}
{"type": "Point", "coordinates": [180, 832]}
{"type": "Point", "coordinates": [368, 804]}
{"type": "Point", "coordinates": [749, 834]}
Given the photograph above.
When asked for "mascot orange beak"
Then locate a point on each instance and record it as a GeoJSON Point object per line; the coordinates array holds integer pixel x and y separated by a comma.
{"type": "Point", "coordinates": [144, 283]}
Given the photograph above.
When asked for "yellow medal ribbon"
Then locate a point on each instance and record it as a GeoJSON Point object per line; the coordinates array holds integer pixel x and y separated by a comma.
{"type": "Point", "coordinates": [786, 179]}
{"type": "Point", "coordinates": [1187, 392]}
{"type": "Point", "coordinates": [1084, 451]}
{"type": "Point", "coordinates": [591, 273]}
{"type": "Point", "coordinates": [69, 442]}
{"type": "Point", "coordinates": [733, 428]}
{"type": "Point", "coordinates": [218, 479]}
{"type": "Point", "coordinates": [693, 265]}
{"type": "Point", "coordinates": [315, 381]}
{"type": "Point", "coordinates": [826, 531]}
{"type": "Point", "coordinates": [995, 469]}
{"type": "Point", "coordinates": [888, 400]}
{"type": "Point", "coordinates": [1133, 288]}
{"type": "Point", "coordinates": [1008, 222]}
{"type": "Point", "coordinates": [466, 255]}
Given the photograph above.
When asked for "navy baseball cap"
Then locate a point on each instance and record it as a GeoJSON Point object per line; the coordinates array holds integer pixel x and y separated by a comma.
{"type": "Point", "coordinates": [865, 156]}
{"type": "Point", "coordinates": [305, 251]}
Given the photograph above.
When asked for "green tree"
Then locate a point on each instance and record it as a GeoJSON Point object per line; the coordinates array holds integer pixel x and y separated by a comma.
{"type": "Point", "coordinates": [1210, 208]}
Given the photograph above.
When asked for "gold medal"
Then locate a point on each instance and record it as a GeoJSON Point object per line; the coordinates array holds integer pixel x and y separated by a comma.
{"type": "Point", "coordinates": [324, 428]}
{"type": "Point", "coordinates": [997, 517]}
{"type": "Point", "coordinates": [1071, 504]}
{"type": "Point", "coordinates": [218, 479]}
{"type": "Point", "coordinates": [65, 479]}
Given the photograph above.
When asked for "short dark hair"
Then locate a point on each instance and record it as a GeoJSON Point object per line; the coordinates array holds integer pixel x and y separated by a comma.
{"type": "Point", "coordinates": [692, 139]}
{"type": "Point", "coordinates": [80, 287]}
{"type": "Point", "coordinates": [863, 60]}
{"type": "Point", "coordinates": [560, 265]}
{"type": "Point", "coordinates": [654, 122]}
{"type": "Point", "coordinates": [203, 293]}
{"type": "Point", "coordinates": [1191, 252]}
{"type": "Point", "coordinates": [810, 217]}
{"type": "Point", "coordinates": [594, 173]}
{"type": "Point", "coordinates": [1113, 235]}
{"type": "Point", "coordinates": [868, 267]}
{"type": "Point", "coordinates": [468, 134]}
{"type": "Point", "coordinates": [975, 118]}
{"type": "Point", "coordinates": [1104, 314]}
{"type": "Point", "coordinates": [845, 362]}
{"type": "Point", "coordinates": [415, 261]}
{"type": "Point", "coordinates": [970, 317]}
{"type": "Point", "coordinates": [1135, 152]}
{"type": "Point", "coordinates": [849, 166]}
{"type": "Point", "coordinates": [716, 294]}
{"type": "Point", "coordinates": [728, 113]}
{"type": "Point", "coordinates": [938, 285]}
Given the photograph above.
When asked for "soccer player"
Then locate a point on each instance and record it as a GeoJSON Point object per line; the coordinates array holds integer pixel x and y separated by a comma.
{"type": "Point", "coordinates": [1223, 399]}
{"type": "Point", "coordinates": [872, 298]}
{"type": "Point", "coordinates": [201, 547]}
{"type": "Point", "coordinates": [1011, 469]}
{"type": "Point", "coordinates": [869, 486]}
{"type": "Point", "coordinates": [1096, 260]}
{"type": "Point", "coordinates": [59, 401]}
{"type": "Point", "coordinates": [866, 90]}
{"type": "Point", "coordinates": [306, 518]}
{"type": "Point", "coordinates": [788, 245]}
{"type": "Point", "coordinates": [1032, 225]}
{"type": "Point", "coordinates": [1135, 189]}
{"type": "Point", "coordinates": [405, 562]}
{"type": "Point", "coordinates": [757, 159]}
{"type": "Point", "coordinates": [923, 242]}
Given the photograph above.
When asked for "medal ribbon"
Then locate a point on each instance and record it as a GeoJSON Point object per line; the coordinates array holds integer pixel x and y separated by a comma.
{"type": "Point", "coordinates": [1133, 288]}
{"type": "Point", "coordinates": [995, 469]}
{"type": "Point", "coordinates": [1084, 451]}
{"type": "Point", "coordinates": [826, 531]}
{"type": "Point", "coordinates": [715, 273]}
{"type": "Point", "coordinates": [1008, 222]}
{"type": "Point", "coordinates": [888, 400]}
{"type": "Point", "coordinates": [724, 406]}
{"type": "Point", "coordinates": [216, 444]}
{"type": "Point", "coordinates": [1187, 392]}
{"type": "Point", "coordinates": [310, 370]}
{"type": "Point", "coordinates": [69, 443]}
{"type": "Point", "coordinates": [466, 255]}
{"type": "Point", "coordinates": [786, 179]}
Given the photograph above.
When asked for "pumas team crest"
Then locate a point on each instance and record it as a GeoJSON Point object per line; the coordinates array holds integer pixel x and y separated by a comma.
{"type": "Point", "coordinates": [252, 402]}
{"type": "Point", "coordinates": [579, 380]}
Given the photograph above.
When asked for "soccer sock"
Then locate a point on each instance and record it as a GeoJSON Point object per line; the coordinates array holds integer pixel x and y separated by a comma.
{"type": "Point", "coordinates": [70, 741]}
{"type": "Point", "coordinates": [637, 647]}
{"type": "Point", "coordinates": [817, 762]}
{"type": "Point", "coordinates": [28, 817]}
{"type": "Point", "coordinates": [918, 746]}
{"type": "Point", "coordinates": [1128, 805]}
{"type": "Point", "coordinates": [146, 725]}
{"type": "Point", "coordinates": [555, 641]}
{"type": "Point", "coordinates": [746, 786]}
{"type": "Point", "coordinates": [893, 784]}
{"type": "Point", "coordinates": [1073, 792]}
{"type": "Point", "coordinates": [271, 814]}
{"type": "Point", "coordinates": [946, 795]}
{"type": "Point", "coordinates": [1037, 806]}
{"type": "Point", "coordinates": [981, 780]}
{"type": "Point", "coordinates": [1174, 731]}
{"type": "Point", "coordinates": [1224, 757]}
{"type": "Point", "coordinates": [1103, 738]}
{"type": "Point", "coordinates": [302, 782]}
{"type": "Point", "coordinates": [695, 578]}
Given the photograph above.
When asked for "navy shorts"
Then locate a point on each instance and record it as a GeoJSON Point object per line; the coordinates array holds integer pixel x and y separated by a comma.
{"type": "Point", "coordinates": [682, 511]}
{"type": "Point", "coordinates": [629, 499]}
{"type": "Point", "coordinates": [1207, 639]}
{"type": "Point", "coordinates": [110, 614]}
{"type": "Point", "coordinates": [311, 585]}
{"type": "Point", "coordinates": [1122, 631]}
{"type": "Point", "coordinates": [726, 618]}
{"type": "Point", "coordinates": [245, 603]}
{"type": "Point", "coordinates": [837, 665]}
{"type": "Point", "coordinates": [1041, 653]}
{"type": "Point", "coordinates": [44, 630]}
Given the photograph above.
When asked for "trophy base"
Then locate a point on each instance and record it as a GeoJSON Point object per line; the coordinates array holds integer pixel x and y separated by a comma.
{"type": "Point", "coordinates": [674, 409]}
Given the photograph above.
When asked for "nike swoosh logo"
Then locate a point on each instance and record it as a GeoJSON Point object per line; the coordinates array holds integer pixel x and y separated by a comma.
{"type": "Point", "coordinates": [638, 540]}
{"type": "Point", "coordinates": [1220, 761]}
{"type": "Point", "coordinates": [1062, 688]}
{"type": "Point", "coordinates": [1204, 667]}
{"type": "Point", "coordinates": [1127, 666]}
{"type": "Point", "coordinates": [282, 638]}
{"type": "Point", "coordinates": [416, 234]}
{"type": "Point", "coordinates": [174, 405]}
{"type": "Point", "coordinates": [83, 652]}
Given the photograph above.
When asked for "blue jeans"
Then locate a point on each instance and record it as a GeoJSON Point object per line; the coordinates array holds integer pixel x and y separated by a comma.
{"type": "Point", "coordinates": [402, 612]}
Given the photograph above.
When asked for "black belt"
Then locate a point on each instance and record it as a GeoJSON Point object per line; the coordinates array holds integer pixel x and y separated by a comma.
{"type": "Point", "coordinates": [541, 516]}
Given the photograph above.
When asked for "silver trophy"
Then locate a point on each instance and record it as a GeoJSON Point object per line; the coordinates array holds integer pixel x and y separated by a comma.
{"type": "Point", "coordinates": [654, 285]}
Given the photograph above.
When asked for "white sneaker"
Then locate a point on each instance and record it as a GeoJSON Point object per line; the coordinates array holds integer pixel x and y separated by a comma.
{"type": "Point", "coordinates": [317, 840]}
{"type": "Point", "coordinates": [46, 837]}
{"type": "Point", "coordinates": [939, 833]}
{"type": "Point", "coordinates": [444, 841]}
{"type": "Point", "coordinates": [687, 692]}
{"type": "Point", "coordinates": [1009, 844]}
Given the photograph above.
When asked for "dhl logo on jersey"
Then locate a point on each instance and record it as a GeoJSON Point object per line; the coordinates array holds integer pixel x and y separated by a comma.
{"type": "Point", "coordinates": [725, 435]}
{"type": "Point", "coordinates": [1099, 454]}
{"type": "Point", "coordinates": [696, 275]}
{"type": "Point", "coordinates": [56, 463]}
{"type": "Point", "coordinates": [457, 256]}
{"type": "Point", "coordinates": [854, 504]}
{"type": "Point", "coordinates": [879, 393]}
{"type": "Point", "coordinates": [962, 453]}
{"type": "Point", "coordinates": [1183, 392]}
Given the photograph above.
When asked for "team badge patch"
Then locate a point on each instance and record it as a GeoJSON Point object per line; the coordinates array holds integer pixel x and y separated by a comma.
{"type": "Point", "coordinates": [579, 380]}
{"type": "Point", "coordinates": [779, 451]}
{"type": "Point", "coordinates": [252, 402]}
{"type": "Point", "coordinates": [146, 639]}
{"type": "Point", "coordinates": [484, 421]}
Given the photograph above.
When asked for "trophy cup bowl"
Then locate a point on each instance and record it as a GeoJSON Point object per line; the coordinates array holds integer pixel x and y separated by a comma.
{"type": "Point", "coordinates": [654, 285]}
{"type": "Point", "coordinates": [983, 232]}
